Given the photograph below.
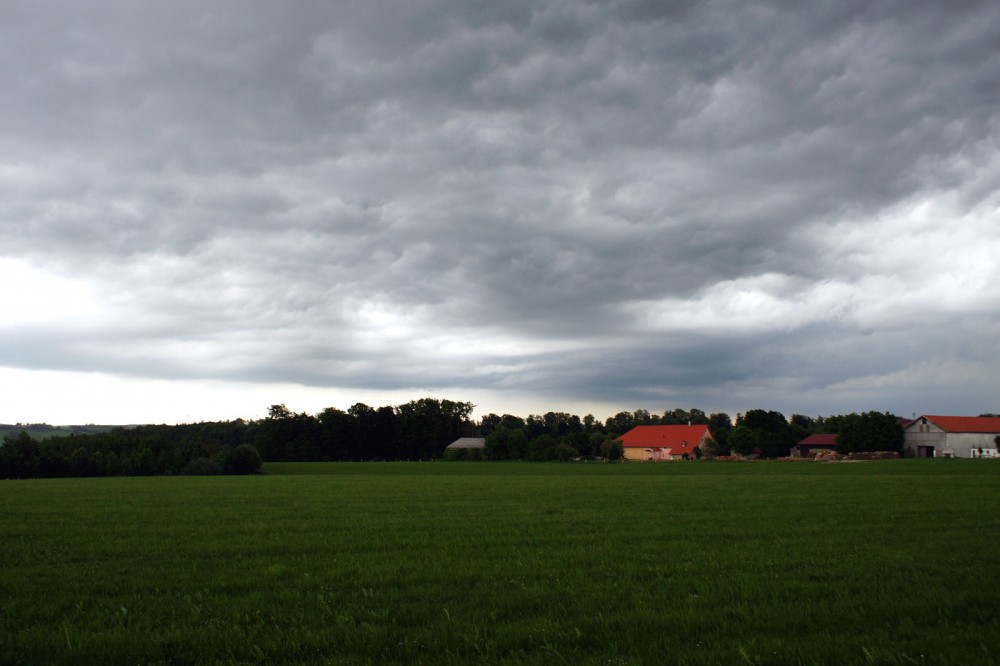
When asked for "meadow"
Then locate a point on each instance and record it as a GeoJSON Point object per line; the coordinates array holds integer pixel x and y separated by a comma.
{"type": "Point", "coordinates": [889, 562]}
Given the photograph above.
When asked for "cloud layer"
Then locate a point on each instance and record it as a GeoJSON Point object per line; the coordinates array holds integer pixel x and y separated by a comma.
{"type": "Point", "coordinates": [649, 204]}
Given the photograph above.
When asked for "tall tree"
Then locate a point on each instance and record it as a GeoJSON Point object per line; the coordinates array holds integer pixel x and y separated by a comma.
{"type": "Point", "coordinates": [721, 425]}
{"type": "Point", "coordinates": [744, 440]}
{"type": "Point", "coordinates": [697, 417]}
{"type": "Point", "coordinates": [506, 443]}
{"type": "Point", "coordinates": [870, 431]}
{"type": "Point", "coordinates": [620, 423]}
{"type": "Point", "coordinates": [488, 424]}
{"type": "Point", "coordinates": [284, 435]}
{"type": "Point", "coordinates": [426, 426]}
{"type": "Point", "coordinates": [335, 433]}
{"type": "Point", "coordinates": [774, 438]}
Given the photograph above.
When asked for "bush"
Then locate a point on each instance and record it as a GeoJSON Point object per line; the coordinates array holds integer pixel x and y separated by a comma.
{"type": "Point", "coordinates": [464, 454]}
{"type": "Point", "coordinates": [202, 467]}
{"type": "Point", "coordinates": [245, 460]}
{"type": "Point", "coordinates": [565, 452]}
{"type": "Point", "coordinates": [612, 449]}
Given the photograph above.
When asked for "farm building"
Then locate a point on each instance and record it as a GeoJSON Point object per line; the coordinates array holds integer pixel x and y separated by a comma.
{"type": "Point", "coordinates": [466, 448]}
{"type": "Point", "coordinates": [467, 443]}
{"type": "Point", "coordinates": [813, 444]}
{"type": "Point", "coordinates": [952, 437]}
{"type": "Point", "coordinates": [668, 442]}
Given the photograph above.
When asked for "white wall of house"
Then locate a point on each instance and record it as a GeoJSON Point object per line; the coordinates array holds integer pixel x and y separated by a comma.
{"type": "Point", "coordinates": [967, 444]}
{"type": "Point", "coordinates": [946, 444]}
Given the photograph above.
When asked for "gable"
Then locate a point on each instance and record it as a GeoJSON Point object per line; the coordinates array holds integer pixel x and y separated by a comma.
{"type": "Point", "coordinates": [976, 424]}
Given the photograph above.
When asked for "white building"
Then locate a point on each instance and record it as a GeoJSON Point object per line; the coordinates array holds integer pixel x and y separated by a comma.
{"type": "Point", "coordinates": [952, 437]}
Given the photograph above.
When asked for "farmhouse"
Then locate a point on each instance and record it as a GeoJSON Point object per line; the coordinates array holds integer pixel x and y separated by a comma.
{"type": "Point", "coordinates": [669, 442]}
{"type": "Point", "coordinates": [952, 437]}
{"type": "Point", "coordinates": [813, 444]}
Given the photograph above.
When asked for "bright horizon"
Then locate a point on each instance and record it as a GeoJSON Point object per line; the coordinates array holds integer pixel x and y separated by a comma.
{"type": "Point", "coordinates": [80, 397]}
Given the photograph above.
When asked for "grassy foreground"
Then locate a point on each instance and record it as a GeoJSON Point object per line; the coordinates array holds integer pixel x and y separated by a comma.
{"type": "Point", "coordinates": [701, 563]}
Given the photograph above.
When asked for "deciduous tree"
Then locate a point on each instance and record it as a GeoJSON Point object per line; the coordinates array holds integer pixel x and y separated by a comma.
{"type": "Point", "coordinates": [743, 440]}
{"type": "Point", "coordinates": [506, 443]}
{"type": "Point", "coordinates": [871, 431]}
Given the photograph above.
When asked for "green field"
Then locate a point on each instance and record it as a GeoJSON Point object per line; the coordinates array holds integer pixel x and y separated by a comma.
{"type": "Point", "coordinates": [701, 563]}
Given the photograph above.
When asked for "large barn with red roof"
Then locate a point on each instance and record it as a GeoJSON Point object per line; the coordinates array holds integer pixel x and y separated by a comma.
{"type": "Point", "coordinates": [952, 437]}
{"type": "Point", "coordinates": [665, 442]}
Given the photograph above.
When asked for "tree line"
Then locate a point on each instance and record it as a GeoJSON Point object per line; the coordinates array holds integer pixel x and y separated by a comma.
{"type": "Point", "coordinates": [202, 448]}
{"type": "Point", "coordinates": [563, 436]}
{"type": "Point", "coordinates": [768, 434]}
{"type": "Point", "coordinates": [418, 430]}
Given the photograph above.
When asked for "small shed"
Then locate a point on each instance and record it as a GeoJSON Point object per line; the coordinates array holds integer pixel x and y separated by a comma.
{"type": "Point", "coordinates": [813, 444]}
{"type": "Point", "coordinates": [466, 448]}
{"type": "Point", "coordinates": [468, 443]}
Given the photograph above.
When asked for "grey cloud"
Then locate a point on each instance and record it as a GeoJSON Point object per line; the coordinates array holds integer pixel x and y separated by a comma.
{"type": "Point", "coordinates": [349, 191]}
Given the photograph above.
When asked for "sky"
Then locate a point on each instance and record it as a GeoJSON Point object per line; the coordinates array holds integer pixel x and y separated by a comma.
{"type": "Point", "coordinates": [209, 207]}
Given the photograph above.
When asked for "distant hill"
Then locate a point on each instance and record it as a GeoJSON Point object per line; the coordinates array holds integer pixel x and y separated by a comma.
{"type": "Point", "coordinates": [40, 431]}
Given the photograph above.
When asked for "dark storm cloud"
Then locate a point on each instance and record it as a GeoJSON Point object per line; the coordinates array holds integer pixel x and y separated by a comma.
{"type": "Point", "coordinates": [690, 202]}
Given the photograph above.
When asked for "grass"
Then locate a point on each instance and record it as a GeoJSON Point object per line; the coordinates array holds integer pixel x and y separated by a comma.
{"type": "Point", "coordinates": [702, 563]}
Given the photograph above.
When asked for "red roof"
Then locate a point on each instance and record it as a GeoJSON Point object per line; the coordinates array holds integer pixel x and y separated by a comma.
{"type": "Point", "coordinates": [680, 439]}
{"type": "Point", "coordinates": [819, 440]}
{"type": "Point", "coordinates": [987, 424]}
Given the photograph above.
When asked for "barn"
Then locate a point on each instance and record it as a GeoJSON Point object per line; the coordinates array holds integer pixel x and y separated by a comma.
{"type": "Point", "coordinates": [930, 436]}
{"type": "Point", "coordinates": [813, 444]}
